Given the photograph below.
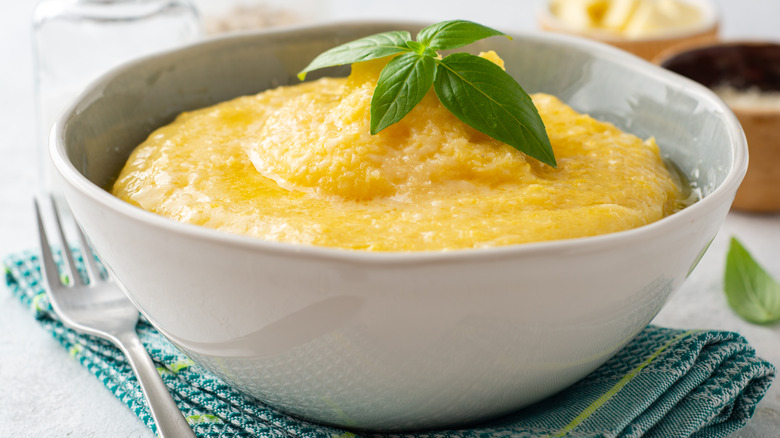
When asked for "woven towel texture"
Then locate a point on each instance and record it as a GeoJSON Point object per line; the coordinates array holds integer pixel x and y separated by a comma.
{"type": "Point", "coordinates": [664, 383]}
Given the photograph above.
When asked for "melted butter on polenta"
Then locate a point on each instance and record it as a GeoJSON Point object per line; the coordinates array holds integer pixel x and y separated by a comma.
{"type": "Point", "coordinates": [297, 164]}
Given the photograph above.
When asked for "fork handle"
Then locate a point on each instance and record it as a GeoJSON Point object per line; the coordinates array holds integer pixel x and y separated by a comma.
{"type": "Point", "coordinates": [169, 419]}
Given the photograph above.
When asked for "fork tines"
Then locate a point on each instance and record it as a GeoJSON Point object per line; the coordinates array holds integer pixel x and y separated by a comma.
{"type": "Point", "coordinates": [55, 224]}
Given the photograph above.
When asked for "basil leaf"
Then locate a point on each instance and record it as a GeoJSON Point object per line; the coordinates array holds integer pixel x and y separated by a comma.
{"type": "Point", "coordinates": [751, 292]}
{"type": "Point", "coordinates": [421, 49]}
{"type": "Point", "coordinates": [453, 34]}
{"type": "Point", "coordinates": [478, 92]}
{"type": "Point", "coordinates": [488, 99]}
{"type": "Point", "coordinates": [401, 86]}
{"type": "Point", "coordinates": [363, 49]}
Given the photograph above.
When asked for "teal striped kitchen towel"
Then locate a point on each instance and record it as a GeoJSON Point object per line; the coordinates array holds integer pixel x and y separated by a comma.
{"type": "Point", "coordinates": [665, 383]}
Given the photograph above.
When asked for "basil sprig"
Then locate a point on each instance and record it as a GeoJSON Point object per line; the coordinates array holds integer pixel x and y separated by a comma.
{"type": "Point", "coordinates": [475, 90]}
{"type": "Point", "coordinates": [751, 292]}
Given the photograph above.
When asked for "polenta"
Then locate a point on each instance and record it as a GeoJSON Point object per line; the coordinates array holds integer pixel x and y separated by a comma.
{"type": "Point", "coordinates": [297, 164]}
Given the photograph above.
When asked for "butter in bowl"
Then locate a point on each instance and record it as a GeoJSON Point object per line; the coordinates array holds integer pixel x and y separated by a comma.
{"type": "Point", "coordinates": [746, 75]}
{"type": "Point", "coordinates": [642, 27]}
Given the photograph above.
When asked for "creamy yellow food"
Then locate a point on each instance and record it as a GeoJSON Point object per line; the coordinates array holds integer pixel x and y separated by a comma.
{"type": "Point", "coordinates": [628, 18]}
{"type": "Point", "coordinates": [297, 164]}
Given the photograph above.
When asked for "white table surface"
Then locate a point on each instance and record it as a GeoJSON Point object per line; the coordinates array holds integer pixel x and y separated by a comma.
{"type": "Point", "coordinates": [45, 393]}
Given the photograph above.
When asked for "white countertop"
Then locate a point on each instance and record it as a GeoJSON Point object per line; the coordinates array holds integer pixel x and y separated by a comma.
{"type": "Point", "coordinates": [44, 392]}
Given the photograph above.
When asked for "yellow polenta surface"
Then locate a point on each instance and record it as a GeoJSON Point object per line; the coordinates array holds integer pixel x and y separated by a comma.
{"type": "Point", "coordinates": [297, 164]}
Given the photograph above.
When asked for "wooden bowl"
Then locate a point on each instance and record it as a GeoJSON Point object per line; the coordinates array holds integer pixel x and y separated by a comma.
{"type": "Point", "coordinates": [648, 47]}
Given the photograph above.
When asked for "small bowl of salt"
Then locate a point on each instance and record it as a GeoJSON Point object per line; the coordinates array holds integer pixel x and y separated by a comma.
{"type": "Point", "coordinates": [746, 75]}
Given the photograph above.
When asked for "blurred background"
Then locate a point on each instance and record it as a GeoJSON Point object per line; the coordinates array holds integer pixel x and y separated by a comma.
{"type": "Point", "coordinates": [38, 388]}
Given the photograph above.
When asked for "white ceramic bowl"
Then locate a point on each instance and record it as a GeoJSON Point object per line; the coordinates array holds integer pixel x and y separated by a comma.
{"type": "Point", "coordinates": [396, 341]}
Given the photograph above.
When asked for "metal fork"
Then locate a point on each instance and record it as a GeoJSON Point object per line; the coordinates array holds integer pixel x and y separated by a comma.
{"type": "Point", "coordinates": [98, 307]}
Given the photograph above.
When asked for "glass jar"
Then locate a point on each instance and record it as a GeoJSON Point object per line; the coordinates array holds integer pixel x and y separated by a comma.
{"type": "Point", "coordinates": [75, 41]}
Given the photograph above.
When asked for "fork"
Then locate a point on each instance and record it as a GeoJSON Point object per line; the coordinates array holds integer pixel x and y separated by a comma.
{"type": "Point", "coordinates": [100, 308]}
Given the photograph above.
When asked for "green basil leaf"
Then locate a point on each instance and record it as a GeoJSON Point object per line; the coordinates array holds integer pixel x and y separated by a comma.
{"type": "Point", "coordinates": [488, 99]}
{"type": "Point", "coordinates": [751, 292]}
{"type": "Point", "coordinates": [477, 91]}
{"type": "Point", "coordinates": [401, 86]}
{"type": "Point", "coordinates": [453, 34]}
{"type": "Point", "coordinates": [363, 49]}
{"type": "Point", "coordinates": [421, 49]}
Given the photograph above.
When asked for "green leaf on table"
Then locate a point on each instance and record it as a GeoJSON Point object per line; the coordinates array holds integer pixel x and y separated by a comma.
{"type": "Point", "coordinates": [485, 97]}
{"type": "Point", "coordinates": [403, 83]}
{"type": "Point", "coordinates": [751, 292]}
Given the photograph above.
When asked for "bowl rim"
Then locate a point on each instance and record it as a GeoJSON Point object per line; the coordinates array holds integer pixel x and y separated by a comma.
{"type": "Point", "coordinates": [710, 22]}
{"type": "Point", "coordinates": [587, 244]}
